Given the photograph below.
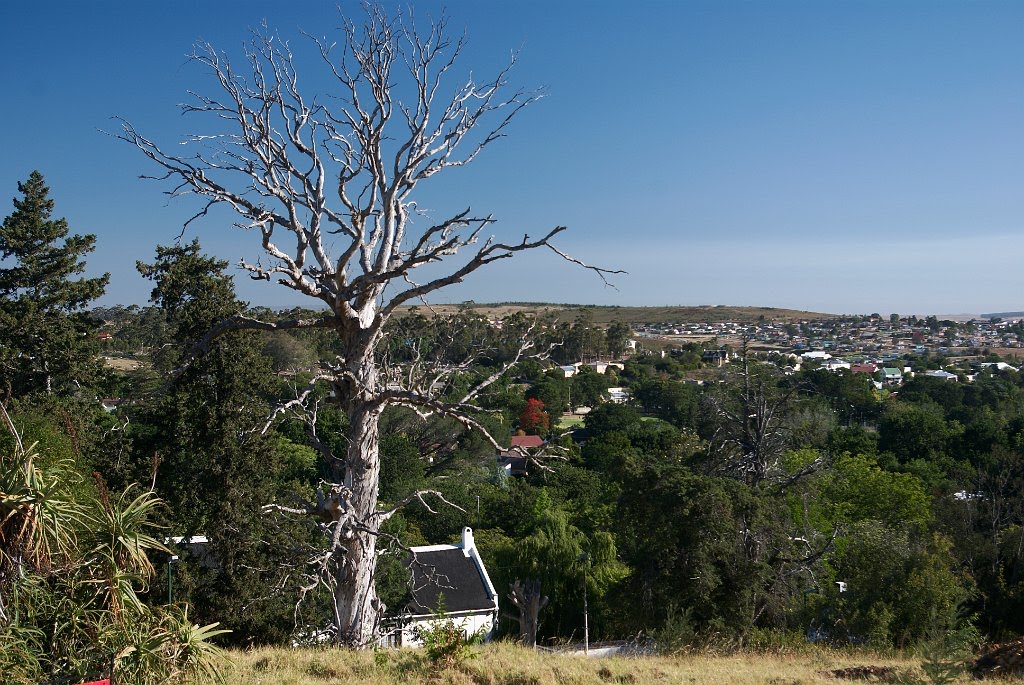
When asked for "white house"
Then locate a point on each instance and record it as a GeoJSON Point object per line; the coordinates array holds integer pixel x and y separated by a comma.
{"type": "Point", "coordinates": [457, 573]}
{"type": "Point", "coordinates": [618, 395]}
{"type": "Point", "coordinates": [1000, 366]}
{"type": "Point", "coordinates": [603, 366]}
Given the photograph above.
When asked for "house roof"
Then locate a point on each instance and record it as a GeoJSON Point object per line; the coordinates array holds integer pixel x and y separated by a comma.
{"type": "Point", "coordinates": [447, 570]}
{"type": "Point", "coordinates": [527, 441]}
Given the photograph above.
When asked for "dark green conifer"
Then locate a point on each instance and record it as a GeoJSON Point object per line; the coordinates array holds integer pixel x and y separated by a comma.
{"type": "Point", "coordinates": [47, 339]}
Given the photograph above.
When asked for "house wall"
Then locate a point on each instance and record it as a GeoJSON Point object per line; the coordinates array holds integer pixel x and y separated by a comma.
{"type": "Point", "coordinates": [475, 623]}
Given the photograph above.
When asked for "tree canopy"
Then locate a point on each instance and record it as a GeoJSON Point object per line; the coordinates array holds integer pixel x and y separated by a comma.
{"type": "Point", "coordinates": [46, 334]}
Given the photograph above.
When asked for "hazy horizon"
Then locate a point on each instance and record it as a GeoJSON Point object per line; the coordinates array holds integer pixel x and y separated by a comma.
{"type": "Point", "coordinates": [839, 157]}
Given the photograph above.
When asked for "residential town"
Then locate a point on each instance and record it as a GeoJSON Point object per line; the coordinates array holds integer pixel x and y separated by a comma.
{"type": "Point", "coordinates": [890, 348]}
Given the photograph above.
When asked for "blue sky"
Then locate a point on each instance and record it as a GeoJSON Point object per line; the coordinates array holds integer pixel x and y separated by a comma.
{"type": "Point", "coordinates": [831, 156]}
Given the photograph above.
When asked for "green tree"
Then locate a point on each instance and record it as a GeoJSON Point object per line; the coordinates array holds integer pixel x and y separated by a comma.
{"type": "Point", "coordinates": [617, 337]}
{"type": "Point", "coordinates": [611, 417]}
{"type": "Point", "coordinates": [672, 401]}
{"type": "Point", "coordinates": [218, 466]}
{"type": "Point", "coordinates": [587, 387]}
{"type": "Point", "coordinates": [553, 390]}
{"type": "Point", "coordinates": [46, 336]}
{"type": "Point", "coordinates": [681, 534]}
{"type": "Point", "coordinates": [916, 431]}
{"type": "Point", "coordinates": [562, 558]}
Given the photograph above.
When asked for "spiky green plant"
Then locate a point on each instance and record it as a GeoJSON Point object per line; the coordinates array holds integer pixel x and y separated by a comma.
{"type": "Point", "coordinates": [71, 573]}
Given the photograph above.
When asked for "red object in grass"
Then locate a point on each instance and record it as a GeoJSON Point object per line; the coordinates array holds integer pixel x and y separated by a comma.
{"type": "Point", "coordinates": [98, 682]}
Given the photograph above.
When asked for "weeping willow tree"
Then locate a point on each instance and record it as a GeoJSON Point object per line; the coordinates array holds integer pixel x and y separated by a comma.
{"type": "Point", "coordinates": [560, 559]}
{"type": "Point", "coordinates": [72, 571]}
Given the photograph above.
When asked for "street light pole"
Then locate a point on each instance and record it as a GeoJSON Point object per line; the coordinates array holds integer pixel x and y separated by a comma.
{"type": "Point", "coordinates": [586, 615]}
{"type": "Point", "coordinates": [170, 578]}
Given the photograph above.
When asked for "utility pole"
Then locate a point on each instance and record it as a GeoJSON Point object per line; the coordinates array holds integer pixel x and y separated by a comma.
{"type": "Point", "coordinates": [585, 558]}
{"type": "Point", "coordinates": [170, 578]}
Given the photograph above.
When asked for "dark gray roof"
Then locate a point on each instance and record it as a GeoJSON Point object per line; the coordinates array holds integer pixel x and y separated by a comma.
{"type": "Point", "coordinates": [451, 573]}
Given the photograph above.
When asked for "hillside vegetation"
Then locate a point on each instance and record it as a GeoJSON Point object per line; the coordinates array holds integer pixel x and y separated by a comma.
{"type": "Point", "coordinates": [846, 507]}
{"type": "Point", "coordinates": [603, 314]}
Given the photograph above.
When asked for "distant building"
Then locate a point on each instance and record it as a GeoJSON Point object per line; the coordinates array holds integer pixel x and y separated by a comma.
{"type": "Point", "coordinates": [718, 357]}
{"type": "Point", "coordinates": [892, 376]}
{"type": "Point", "coordinates": [513, 461]}
{"type": "Point", "coordinates": [618, 395]}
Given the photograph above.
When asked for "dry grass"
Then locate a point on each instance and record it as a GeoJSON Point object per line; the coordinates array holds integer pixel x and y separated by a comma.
{"type": "Point", "coordinates": [123, 363]}
{"type": "Point", "coordinates": [505, 664]}
{"type": "Point", "coordinates": [602, 314]}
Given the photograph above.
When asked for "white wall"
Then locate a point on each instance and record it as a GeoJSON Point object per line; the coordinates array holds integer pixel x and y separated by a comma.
{"type": "Point", "coordinates": [483, 622]}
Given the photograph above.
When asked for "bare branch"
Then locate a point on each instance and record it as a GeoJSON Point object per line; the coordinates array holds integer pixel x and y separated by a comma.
{"type": "Point", "coordinates": [327, 183]}
{"type": "Point", "coordinates": [247, 323]}
{"type": "Point", "coordinates": [417, 497]}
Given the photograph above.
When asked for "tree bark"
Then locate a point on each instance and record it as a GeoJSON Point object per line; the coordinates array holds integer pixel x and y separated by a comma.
{"type": "Point", "coordinates": [356, 606]}
{"type": "Point", "coordinates": [527, 598]}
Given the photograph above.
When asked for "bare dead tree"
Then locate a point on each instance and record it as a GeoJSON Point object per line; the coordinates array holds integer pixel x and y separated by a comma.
{"type": "Point", "coordinates": [750, 425]}
{"type": "Point", "coordinates": [327, 182]}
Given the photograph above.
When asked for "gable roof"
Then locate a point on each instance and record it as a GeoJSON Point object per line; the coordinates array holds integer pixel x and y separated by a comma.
{"type": "Point", "coordinates": [457, 572]}
{"type": "Point", "coordinates": [527, 441]}
{"type": "Point", "coordinates": [451, 573]}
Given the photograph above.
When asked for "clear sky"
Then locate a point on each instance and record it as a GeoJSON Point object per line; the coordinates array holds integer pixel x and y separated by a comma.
{"type": "Point", "coordinates": [832, 156]}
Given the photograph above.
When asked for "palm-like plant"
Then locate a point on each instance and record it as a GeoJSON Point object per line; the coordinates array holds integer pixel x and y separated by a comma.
{"type": "Point", "coordinates": [88, 618]}
{"type": "Point", "coordinates": [119, 541]}
{"type": "Point", "coordinates": [38, 517]}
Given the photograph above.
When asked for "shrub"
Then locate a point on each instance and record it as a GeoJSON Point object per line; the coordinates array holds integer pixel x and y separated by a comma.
{"type": "Point", "coordinates": [445, 640]}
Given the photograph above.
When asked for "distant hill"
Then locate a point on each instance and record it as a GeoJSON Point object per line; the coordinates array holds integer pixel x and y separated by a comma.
{"type": "Point", "coordinates": [604, 314]}
{"type": "Point", "coordinates": [1003, 315]}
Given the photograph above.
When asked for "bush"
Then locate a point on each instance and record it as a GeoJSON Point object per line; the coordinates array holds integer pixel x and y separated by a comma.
{"type": "Point", "coordinates": [445, 640]}
{"type": "Point", "coordinates": [676, 633]}
{"type": "Point", "coordinates": [73, 565]}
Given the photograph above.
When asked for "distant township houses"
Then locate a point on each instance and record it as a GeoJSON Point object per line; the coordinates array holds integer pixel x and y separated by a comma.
{"type": "Point", "coordinates": [851, 335]}
{"type": "Point", "coordinates": [871, 345]}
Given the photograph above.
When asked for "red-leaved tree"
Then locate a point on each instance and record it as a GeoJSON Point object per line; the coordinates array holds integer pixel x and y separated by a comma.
{"type": "Point", "coordinates": [534, 420]}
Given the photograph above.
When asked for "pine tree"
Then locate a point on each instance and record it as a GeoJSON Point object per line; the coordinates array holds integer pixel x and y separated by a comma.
{"type": "Point", "coordinates": [46, 336]}
{"type": "Point", "coordinates": [217, 467]}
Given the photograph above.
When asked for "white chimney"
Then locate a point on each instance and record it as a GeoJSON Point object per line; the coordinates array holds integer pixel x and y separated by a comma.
{"type": "Point", "coordinates": [467, 540]}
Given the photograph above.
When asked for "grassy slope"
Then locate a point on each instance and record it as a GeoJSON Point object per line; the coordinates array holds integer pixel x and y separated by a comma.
{"type": "Point", "coordinates": [504, 664]}
{"type": "Point", "coordinates": [635, 315]}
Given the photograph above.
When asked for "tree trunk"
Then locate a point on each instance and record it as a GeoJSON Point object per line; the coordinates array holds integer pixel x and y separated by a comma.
{"type": "Point", "coordinates": [357, 609]}
{"type": "Point", "coordinates": [527, 598]}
